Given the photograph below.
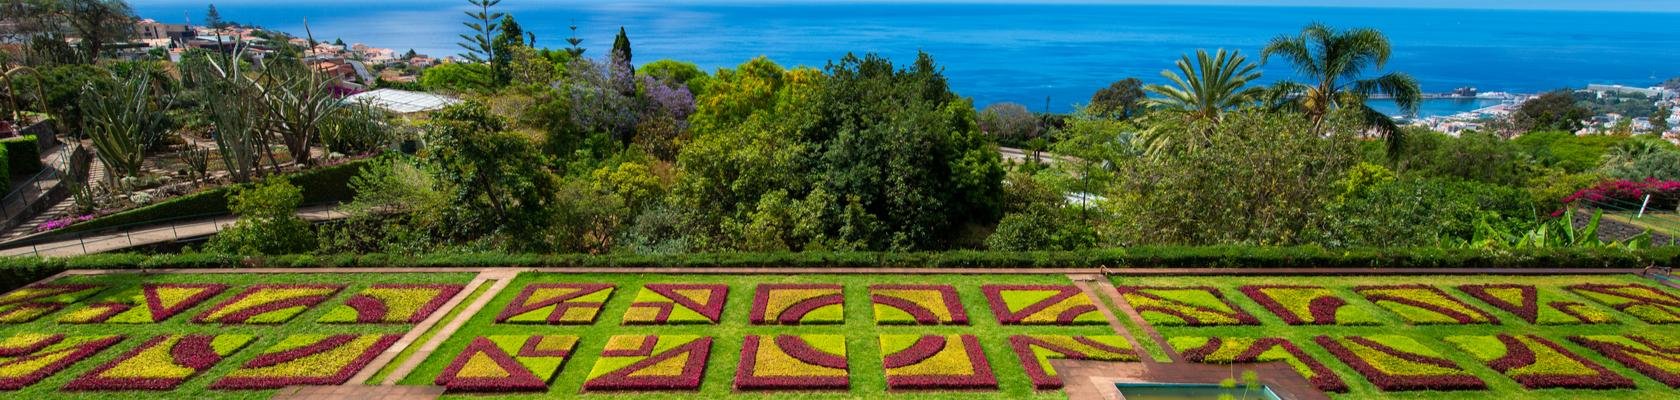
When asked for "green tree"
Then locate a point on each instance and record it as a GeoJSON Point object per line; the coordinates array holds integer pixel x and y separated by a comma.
{"type": "Point", "coordinates": [576, 43]}
{"type": "Point", "coordinates": [1122, 99]}
{"type": "Point", "coordinates": [457, 78]}
{"type": "Point", "coordinates": [511, 38]}
{"type": "Point", "coordinates": [1200, 94]}
{"type": "Point", "coordinates": [1553, 111]}
{"type": "Point", "coordinates": [268, 223]}
{"type": "Point", "coordinates": [1659, 120]}
{"type": "Point", "coordinates": [497, 181]}
{"type": "Point", "coordinates": [1259, 182]}
{"type": "Point", "coordinates": [621, 45]}
{"type": "Point", "coordinates": [1332, 62]}
{"type": "Point", "coordinates": [482, 26]}
{"type": "Point", "coordinates": [98, 23]}
{"type": "Point", "coordinates": [213, 19]}
{"type": "Point", "coordinates": [677, 72]}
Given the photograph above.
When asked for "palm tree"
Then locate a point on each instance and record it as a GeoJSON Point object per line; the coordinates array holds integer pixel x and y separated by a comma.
{"type": "Point", "coordinates": [1332, 62]}
{"type": "Point", "coordinates": [1200, 93]}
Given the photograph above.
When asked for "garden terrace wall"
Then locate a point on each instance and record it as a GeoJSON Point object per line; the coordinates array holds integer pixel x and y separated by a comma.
{"type": "Point", "coordinates": [321, 185]}
{"type": "Point", "coordinates": [18, 271]}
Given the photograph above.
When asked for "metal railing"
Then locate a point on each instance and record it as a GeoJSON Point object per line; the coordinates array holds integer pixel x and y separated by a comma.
{"type": "Point", "coordinates": [21, 203]}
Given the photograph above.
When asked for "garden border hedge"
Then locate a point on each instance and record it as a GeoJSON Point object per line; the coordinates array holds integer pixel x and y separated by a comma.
{"type": "Point", "coordinates": [23, 155]}
{"type": "Point", "coordinates": [18, 271]}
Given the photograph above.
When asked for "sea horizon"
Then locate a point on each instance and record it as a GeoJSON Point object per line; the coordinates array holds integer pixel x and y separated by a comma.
{"type": "Point", "coordinates": [1047, 57]}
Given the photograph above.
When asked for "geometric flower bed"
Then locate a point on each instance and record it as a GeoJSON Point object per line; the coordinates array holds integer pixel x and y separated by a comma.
{"type": "Point", "coordinates": [1308, 305]}
{"type": "Point", "coordinates": [935, 362]}
{"type": "Point", "coordinates": [798, 304]}
{"type": "Point", "coordinates": [917, 305]}
{"type": "Point", "coordinates": [21, 313]}
{"type": "Point", "coordinates": [1424, 305]}
{"type": "Point", "coordinates": [268, 304]}
{"type": "Point", "coordinates": [650, 362]}
{"type": "Point", "coordinates": [161, 363]}
{"type": "Point", "coordinates": [28, 303]}
{"type": "Point", "coordinates": [28, 358]}
{"type": "Point", "coordinates": [1036, 351]}
{"type": "Point", "coordinates": [1524, 301]}
{"type": "Point", "coordinates": [307, 360]}
{"type": "Point", "coordinates": [1537, 363]}
{"type": "Point", "coordinates": [507, 363]}
{"type": "Point", "coordinates": [1185, 306]}
{"type": "Point", "coordinates": [1233, 350]}
{"type": "Point", "coordinates": [673, 303]}
{"type": "Point", "coordinates": [1041, 305]}
{"type": "Point", "coordinates": [151, 303]}
{"type": "Point", "coordinates": [49, 293]}
{"type": "Point", "coordinates": [391, 304]}
{"type": "Point", "coordinates": [793, 362]}
{"type": "Point", "coordinates": [557, 304]}
{"type": "Point", "coordinates": [1398, 363]}
{"type": "Point", "coordinates": [1660, 361]}
{"type": "Point", "coordinates": [1647, 303]}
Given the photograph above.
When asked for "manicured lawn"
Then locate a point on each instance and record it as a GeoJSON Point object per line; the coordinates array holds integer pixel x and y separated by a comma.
{"type": "Point", "coordinates": [1467, 345]}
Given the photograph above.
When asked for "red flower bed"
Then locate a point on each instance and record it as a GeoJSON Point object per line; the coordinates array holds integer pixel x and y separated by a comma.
{"type": "Point", "coordinates": [1064, 305]}
{"type": "Point", "coordinates": [677, 303]}
{"type": "Point", "coordinates": [802, 365]}
{"type": "Point", "coordinates": [507, 374]}
{"type": "Point", "coordinates": [1537, 363]}
{"type": "Point", "coordinates": [801, 304]}
{"type": "Point", "coordinates": [1448, 375]}
{"type": "Point", "coordinates": [1307, 305]}
{"type": "Point", "coordinates": [320, 360]}
{"type": "Point", "coordinates": [392, 304]}
{"type": "Point", "coordinates": [1626, 194]}
{"type": "Point", "coordinates": [646, 369]}
{"type": "Point", "coordinates": [904, 355]}
{"type": "Point", "coordinates": [557, 304]}
{"type": "Point", "coordinates": [52, 359]}
{"type": "Point", "coordinates": [917, 305]}
{"type": "Point", "coordinates": [268, 304]}
{"type": "Point", "coordinates": [1215, 350]}
{"type": "Point", "coordinates": [156, 364]}
{"type": "Point", "coordinates": [1032, 350]}
{"type": "Point", "coordinates": [1655, 360]}
{"type": "Point", "coordinates": [1185, 306]}
{"type": "Point", "coordinates": [1438, 307]}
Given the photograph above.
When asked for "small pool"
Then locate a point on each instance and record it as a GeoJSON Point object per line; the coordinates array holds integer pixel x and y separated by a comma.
{"type": "Point", "coordinates": [1175, 391]}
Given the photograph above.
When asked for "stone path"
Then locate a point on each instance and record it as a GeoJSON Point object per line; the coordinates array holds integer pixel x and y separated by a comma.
{"type": "Point", "coordinates": [149, 235]}
{"type": "Point", "coordinates": [1137, 320]}
{"type": "Point", "coordinates": [356, 392]}
{"type": "Point", "coordinates": [502, 278]}
{"type": "Point", "coordinates": [414, 334]}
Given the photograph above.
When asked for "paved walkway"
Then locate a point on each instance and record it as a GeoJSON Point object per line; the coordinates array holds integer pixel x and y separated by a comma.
{"type": "Point", "coordinates": [149, 235]}
{"type": "Point", "coordinates": [354, 392]}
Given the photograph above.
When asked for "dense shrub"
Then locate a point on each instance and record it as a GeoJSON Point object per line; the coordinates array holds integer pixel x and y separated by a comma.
{"type": "Point", "coordinates": [268, 223]}
{"type": "Point", "coordinates": [23, 155]}
{"type": "Point", "coordinates": [1422, 212]}
{"type": "Point", "coordinates": [17, 271]}
{"type": "Point", "coordinates": [1624, 194]}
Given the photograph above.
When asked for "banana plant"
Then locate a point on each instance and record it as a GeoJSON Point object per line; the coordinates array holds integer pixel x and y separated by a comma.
{"type": "Point", "coordinates": [1555, 233]}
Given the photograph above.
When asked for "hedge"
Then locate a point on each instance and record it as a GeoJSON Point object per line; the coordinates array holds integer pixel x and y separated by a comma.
{"type": "Point", "coordinates": [320, 185]}
{"type": "Point", "coordinates": [17, 271]}
{"type": "Point", "coordinates": [23, 155]}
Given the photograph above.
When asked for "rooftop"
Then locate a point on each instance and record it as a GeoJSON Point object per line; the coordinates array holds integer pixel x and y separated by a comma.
{"type": "Point", "coordinates": [402, 101]}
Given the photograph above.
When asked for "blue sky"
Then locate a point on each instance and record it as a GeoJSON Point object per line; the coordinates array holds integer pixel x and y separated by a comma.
{"type": "Point", "coordinates": [1579, 5]}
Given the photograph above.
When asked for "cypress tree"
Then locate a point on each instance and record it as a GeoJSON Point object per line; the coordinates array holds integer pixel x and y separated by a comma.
{"type": "Point", "coordinates": [621, 45]}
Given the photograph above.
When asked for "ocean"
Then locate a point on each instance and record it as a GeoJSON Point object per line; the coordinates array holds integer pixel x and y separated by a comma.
{"type": "Point", "coordinates": [1044, 56]}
